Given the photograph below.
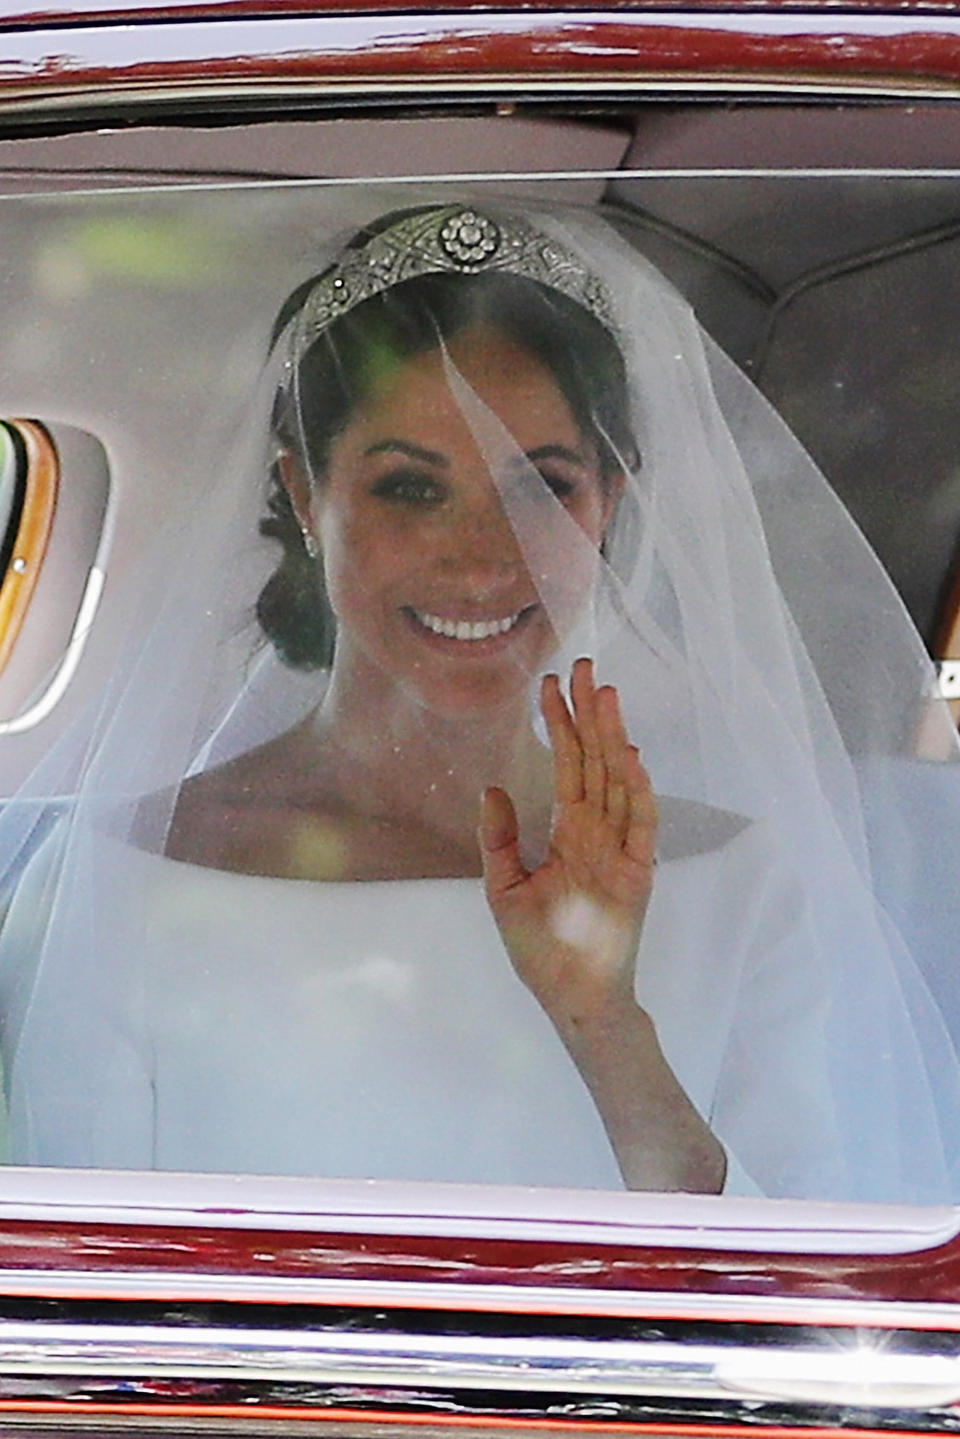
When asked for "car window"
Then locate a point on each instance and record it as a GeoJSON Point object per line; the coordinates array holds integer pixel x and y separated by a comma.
{"type": "Point", "coordinates": [382, 462]}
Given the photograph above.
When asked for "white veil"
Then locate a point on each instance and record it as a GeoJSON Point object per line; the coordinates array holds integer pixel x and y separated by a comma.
{"type": "Point", "coordinates": [766, 665]}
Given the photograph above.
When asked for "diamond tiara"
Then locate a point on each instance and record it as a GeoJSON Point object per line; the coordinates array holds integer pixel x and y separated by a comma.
{"type": "Point", "coordinates": [455, 240]}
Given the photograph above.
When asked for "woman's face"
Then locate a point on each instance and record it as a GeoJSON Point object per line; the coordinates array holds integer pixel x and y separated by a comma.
{"type": "Point", "coordinates": [423, 568]}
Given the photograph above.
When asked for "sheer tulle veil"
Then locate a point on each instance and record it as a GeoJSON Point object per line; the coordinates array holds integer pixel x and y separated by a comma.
{"type": "Point", "coordinates": [766, 666]}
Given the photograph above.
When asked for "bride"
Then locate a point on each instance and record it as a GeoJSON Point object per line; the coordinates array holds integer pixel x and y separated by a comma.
{"type": "Point", "coordinates": [501, 447]}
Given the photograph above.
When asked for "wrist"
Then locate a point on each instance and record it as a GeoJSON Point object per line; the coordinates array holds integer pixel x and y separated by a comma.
{"type": "Point", "coordinates": [604, 1021]}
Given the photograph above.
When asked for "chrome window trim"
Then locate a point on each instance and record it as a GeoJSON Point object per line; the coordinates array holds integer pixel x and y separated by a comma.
{"type": "Point", "coordinates": [860, 1369]}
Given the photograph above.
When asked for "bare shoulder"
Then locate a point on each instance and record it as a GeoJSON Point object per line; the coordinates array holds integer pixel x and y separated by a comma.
{"type": "Point", "coordinates": [250, 814]}
{"type": "Point", "coordinates": [285, 811]}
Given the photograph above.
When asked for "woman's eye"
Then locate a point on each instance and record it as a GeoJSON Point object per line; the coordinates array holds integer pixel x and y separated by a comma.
{"type": "Point", "coordinates": [409, 487]}
{"type": "Point", "coordinates": [559, 484]}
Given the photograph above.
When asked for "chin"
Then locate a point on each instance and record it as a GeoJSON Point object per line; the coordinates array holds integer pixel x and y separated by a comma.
{"type": "Point", "coordinates": [474, 696]}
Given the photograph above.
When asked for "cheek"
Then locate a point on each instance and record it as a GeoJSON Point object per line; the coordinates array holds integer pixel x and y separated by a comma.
{"type": "Point", "coordinates": [580, 576]}
{"type": "Point", "coordinates": [572, 563]}
{"type": "Point", "coordinates": [342, 567]}
{"type": "Point", "coordinates": [592, 514]}
{"type": "Point", "coordinates": [362, 559]}
{"type": "Point", "coordinates": [577, 534]}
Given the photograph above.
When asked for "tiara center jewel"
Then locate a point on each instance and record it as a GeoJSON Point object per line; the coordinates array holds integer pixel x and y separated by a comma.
{"type": "Point", "coordinates": [469, 238]}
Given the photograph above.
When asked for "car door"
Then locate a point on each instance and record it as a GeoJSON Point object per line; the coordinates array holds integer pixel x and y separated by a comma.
{"type": "Point", "coordinates": [795, 177]}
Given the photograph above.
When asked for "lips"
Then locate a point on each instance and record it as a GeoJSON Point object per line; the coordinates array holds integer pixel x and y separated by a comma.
{"type": "Point", "coordinates": [468, 631]}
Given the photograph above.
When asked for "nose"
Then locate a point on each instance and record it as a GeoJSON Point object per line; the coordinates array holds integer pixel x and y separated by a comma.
{"type": "Point", "coordinates": [482, 548]}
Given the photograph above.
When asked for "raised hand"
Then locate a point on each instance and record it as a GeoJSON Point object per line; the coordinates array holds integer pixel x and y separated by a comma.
{"type": "Point", "coordinates": [572, 925]}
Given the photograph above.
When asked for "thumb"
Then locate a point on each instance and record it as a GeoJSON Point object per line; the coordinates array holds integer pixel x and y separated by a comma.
{"type": "Point", "coordinates": [503, 868]}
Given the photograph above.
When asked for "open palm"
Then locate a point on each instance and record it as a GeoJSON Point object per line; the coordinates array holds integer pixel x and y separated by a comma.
{"type": "Point", "coordinates": [571, 925]}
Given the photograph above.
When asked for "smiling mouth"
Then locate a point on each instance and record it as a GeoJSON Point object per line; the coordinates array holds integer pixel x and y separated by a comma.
{"type": "Point", "coordinates": [469, 630]}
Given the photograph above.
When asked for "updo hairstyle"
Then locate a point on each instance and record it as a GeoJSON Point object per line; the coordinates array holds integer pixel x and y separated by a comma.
{"type": "Point", "coordinates": [363, 347]}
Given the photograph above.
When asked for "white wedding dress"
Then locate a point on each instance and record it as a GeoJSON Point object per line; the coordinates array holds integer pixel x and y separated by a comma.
{"type": "Point", "coordinates": [376, 1029]}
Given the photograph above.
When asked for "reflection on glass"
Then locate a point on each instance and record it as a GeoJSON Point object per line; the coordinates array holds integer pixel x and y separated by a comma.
{"type": "Point", "coordinates": [535, 847]}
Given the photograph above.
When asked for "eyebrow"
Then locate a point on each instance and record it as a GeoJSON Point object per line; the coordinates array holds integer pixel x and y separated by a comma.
{"type": "Point", "coordinates": [415, 452]}
{"type": "Point", "coordinates": [556, 452]}
{"type": "Point", "coordinates": [434, 457]}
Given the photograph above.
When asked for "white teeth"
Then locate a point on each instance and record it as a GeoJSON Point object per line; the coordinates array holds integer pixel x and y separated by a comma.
{"type": "Point", "coordinates": [464, 630]}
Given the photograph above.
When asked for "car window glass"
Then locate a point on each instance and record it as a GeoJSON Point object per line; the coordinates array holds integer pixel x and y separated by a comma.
{"type": "Point", "coordinates": [257, 921]}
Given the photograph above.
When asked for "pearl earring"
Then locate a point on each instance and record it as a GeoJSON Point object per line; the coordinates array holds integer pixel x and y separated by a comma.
{"type": "Point", "coordinates": [310, 544]}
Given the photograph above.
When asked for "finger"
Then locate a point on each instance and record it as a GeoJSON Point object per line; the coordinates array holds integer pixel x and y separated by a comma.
{"type": "Point", "coordinates": [615, 747]}
{"type": "Point", "coordinates": [567, 754]}
{"type": "Point", "coordinates": [503, 868]}
{"type": "Point", "coordinates": [583, 694]}
{"type": "Point", "coordinates": [641, 839]}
